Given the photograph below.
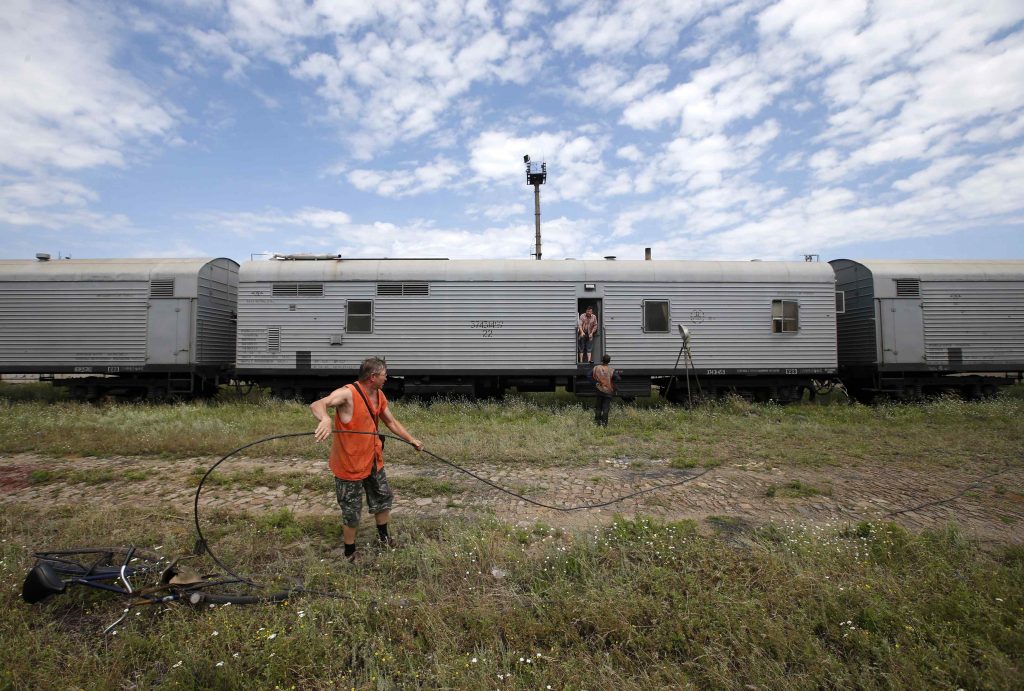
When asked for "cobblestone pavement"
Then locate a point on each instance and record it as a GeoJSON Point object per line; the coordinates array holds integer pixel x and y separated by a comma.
{"type": "Point", "coordinates": [986, 500]}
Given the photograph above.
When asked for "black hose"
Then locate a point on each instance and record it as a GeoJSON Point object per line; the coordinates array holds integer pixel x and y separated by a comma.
{"type": "Point", "coordinates": [203, 544]}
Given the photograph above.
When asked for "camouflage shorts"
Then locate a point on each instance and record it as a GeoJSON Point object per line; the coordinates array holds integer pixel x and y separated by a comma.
{"type": "Point", "coordinates": [379, 496]}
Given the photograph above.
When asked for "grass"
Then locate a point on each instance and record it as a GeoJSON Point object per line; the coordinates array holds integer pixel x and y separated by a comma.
{"type": "Point", "coordinates": [544, 431]}
{"type": "Point", "coordinates": [635, 605]}
{"type": "Point", "coordinates": [425, 487]}
{"type": "Point", "coordinates": [86, 477]}
{"type": "Point", "coordinates": [252, 478]}
{"type": "Point", "coordinates": [794, 489]}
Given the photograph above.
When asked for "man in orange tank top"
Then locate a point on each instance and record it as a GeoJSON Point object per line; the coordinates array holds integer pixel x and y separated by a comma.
{"type": "Point", "coordinates": [357, 460]}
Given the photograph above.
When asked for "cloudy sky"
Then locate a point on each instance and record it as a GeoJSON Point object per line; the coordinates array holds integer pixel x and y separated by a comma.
{"type": "Point", "coordinates": [704, 129]}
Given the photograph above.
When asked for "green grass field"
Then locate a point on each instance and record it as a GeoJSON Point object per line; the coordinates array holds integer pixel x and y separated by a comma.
{"type": "Point", "coordinates": [536, 430]}
{"type": "Point", "coordinates": [635, 605]}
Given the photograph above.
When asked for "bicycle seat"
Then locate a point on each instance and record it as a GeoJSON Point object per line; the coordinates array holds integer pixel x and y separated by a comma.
{"type": "Point", "coordinates": [40, 583]}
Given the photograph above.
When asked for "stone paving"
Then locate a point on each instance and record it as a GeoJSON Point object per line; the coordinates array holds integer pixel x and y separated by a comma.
{"type": "Point", "coordinates": [985, 500]}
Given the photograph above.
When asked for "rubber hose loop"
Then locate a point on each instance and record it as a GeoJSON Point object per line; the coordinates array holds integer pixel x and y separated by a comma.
{"type": "Point", "coordinates": [566, 509]}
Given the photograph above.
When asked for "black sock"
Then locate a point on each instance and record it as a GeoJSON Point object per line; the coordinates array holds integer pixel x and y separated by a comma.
{"type": "Point", "coordinates": [382, 532]}
{"type": "Point", "coordinates": [350, 549]}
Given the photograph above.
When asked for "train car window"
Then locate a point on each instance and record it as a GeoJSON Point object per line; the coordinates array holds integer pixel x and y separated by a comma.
{"type": "Point", "coordinates": [840, 302]}
{"type": "Point", "coordinates": [359, 316]}
{"type": "Point", "coordinates": [656, 316]}
{"type": "Point", "coordinates": [785, 316]}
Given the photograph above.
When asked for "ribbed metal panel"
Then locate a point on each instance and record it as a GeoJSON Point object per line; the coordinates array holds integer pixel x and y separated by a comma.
{"type": "Point", "coordinates": [973, 311]}
{"type": "Point", "coordinates": [985, 320]}
{"type": "Point", "coordinates": [856, 328]}
{"type": "Point", "coordinates": [217, 305]}
{"type": "Point", "coordinates": [87, 313]}
{"type": "Point", "coordinates": [459, 325]}
{"type": "Point", "coordinates": [60, 324]}
{"type": "Point", "coordinates": [530, 325]}
{"type": "Point", "coordinates": [730, 326]}
{"type": "Point", "coordinates": [527, 271]}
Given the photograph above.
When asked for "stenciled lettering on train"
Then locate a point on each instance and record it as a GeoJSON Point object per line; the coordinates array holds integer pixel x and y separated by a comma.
{"type": "Point", "coordinates": [487, 327]}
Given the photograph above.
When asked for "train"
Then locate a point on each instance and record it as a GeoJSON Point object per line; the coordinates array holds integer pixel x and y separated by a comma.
{"type": "Point", "coordinates": [299, 325]}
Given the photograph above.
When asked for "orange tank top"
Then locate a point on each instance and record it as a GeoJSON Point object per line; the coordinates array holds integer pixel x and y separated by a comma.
{"type": "Point", "coordinates": [353, 456]}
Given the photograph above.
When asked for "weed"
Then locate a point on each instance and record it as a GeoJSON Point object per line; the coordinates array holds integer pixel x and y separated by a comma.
{"type": "Point", "coordinates": [683, 463]}
{"type": "Point", "coordinates": [794, 489]}
{"type": "Point", "coordinates": [425, 487]}
{"type": "Point", "coordinates": [543, 432]}
{"type": "Point", "coordinates": [637, 604]}
{"type": "Point", "coordinates": [40, 477]}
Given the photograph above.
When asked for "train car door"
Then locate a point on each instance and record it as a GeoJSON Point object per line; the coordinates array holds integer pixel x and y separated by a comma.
{"type": "Point", "coordinates": [169, 332]}
{"type": "Point", "coordinates": [581, 306]}
{"type": "Point", "coordinates": [902, 326]}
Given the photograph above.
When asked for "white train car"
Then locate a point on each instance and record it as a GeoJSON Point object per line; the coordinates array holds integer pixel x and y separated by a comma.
{"type": "Point", "coordinates": [137, 327]}
{"type": "Point", "coordinates": [914, 327]}
{"type": "Point", "coordinates": [765, 329]}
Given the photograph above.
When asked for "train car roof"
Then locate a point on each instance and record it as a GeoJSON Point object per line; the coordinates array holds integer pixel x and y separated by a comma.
{"type": "Point", "coordinates": [102, 269]}
{"type": "Point", "coordinates": [530, 270]}
{"type": "Point", "coordinates": [941, 269]}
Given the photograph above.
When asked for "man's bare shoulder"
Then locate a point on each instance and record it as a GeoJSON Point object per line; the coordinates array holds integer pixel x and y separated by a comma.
{"type": "Point", "coordinates": [339, 397]}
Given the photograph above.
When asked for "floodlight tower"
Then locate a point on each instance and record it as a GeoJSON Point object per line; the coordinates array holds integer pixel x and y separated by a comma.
{"type": "Point", "coordinates": [536, 175]}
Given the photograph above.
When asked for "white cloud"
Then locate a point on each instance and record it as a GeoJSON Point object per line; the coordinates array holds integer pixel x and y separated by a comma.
{"type": "Point", "coordinates": [612, 28]}
{"type": "Point", "coordinates": [575, 165]}
{"type": "Point", "coordinates": [63, 104]}
{"type": "Point", "coordinates": [607, 85]}
{"type": "Point", "coordinates": [385, 72]}
{"type": "Point", "coordinates": [498, 212]}
{"type": "Point", "coordinates": [54, 203]}
{"type": "Point", "coordinates": [732, 88]}
{"type": "Point", "coordinates": [518, 15]}
{"type": "Point", "coordinates": [247, 224]}
{"type": "Point", "coordinates": [937, 172]}
{"type": "Point", "coordinates": [34, 193]}
{"type": "Point", "coordinates": [404, 183]}
{"type": "Point", "coordinates": [337, 233]}
{"type": "Point", "coordinates": [733, 127]}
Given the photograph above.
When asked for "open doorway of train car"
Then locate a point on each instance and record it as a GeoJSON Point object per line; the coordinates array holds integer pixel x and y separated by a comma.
{"type": "Point", "coordinates": [581, 306]}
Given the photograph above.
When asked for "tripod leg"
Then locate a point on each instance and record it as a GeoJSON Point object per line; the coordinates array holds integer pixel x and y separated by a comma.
{"type": "Point", "coordinates": [674, 368]}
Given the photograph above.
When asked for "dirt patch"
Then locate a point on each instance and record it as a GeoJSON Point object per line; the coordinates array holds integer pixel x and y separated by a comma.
{"type": "Point", "coordinates": [14, 477]}
{"type": "Point", "coordinates": [985, 499]}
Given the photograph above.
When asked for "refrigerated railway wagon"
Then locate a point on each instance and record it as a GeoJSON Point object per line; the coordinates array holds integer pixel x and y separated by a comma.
{"type": "Point", "coordinates": [132, 327]}
{"type": "Point", "coordinates": [763, 329]}
{"type": "Point", "coordinates": [918, 327]}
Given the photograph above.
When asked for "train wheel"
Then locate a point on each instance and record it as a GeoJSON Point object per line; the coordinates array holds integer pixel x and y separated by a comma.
{"type": "Point", "coordinates": [862, 396]}
{"type": "Point", "coordinates": [970, 392]}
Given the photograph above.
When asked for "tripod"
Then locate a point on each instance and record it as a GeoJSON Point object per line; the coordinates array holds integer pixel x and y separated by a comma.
{"type": "Point", "coordinates": [684, 333]}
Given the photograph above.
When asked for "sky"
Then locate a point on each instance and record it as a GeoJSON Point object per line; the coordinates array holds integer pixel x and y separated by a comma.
{"type": "Point", "coordinates": [719, 130]}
